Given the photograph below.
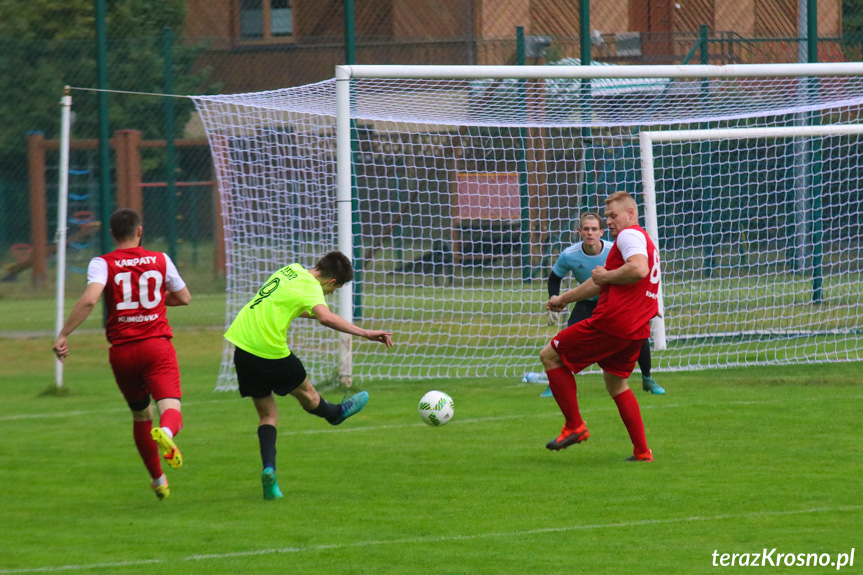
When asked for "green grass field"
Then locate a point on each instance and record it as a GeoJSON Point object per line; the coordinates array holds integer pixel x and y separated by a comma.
{"type": "Point", "coordinates": [746, 459]}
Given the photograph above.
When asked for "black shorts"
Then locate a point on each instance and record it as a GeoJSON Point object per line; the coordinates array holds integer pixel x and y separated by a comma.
{"type": "Point", "coordinates": [258, 377]}
{"type": "Point", "coordinates": [581, 311]}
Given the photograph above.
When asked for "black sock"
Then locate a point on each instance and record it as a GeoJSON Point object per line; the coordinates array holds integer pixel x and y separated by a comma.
{"type": "Point", "coordinates": [267, 439]}
{"type": "Point", "coordinates": [327, 410]}
{"type": "Point", "coordinates": [644, 359]}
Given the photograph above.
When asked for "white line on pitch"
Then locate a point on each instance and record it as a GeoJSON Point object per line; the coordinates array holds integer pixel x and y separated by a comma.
{"type": "Point", "coordinates": [77, 413]}
{"type": "Point", "coordinates": [431, 539]}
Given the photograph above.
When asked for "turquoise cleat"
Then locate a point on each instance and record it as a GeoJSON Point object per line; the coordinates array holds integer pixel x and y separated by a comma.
{"type": "Point", "coordinates": [546, 393]}
{"type": "Point", "coordinates": [352, 406]}
{"type": "Point", "coordinates": [649, 384]}
{"type": "Point", "coordinates": [271, 485]}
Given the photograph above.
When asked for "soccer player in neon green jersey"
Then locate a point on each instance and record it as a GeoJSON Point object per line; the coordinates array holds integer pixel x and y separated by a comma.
{"type": "Point", "coordinates": [264, 364]}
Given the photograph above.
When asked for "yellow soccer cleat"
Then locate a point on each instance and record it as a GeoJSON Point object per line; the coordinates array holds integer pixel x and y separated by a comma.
{"type": "Point", "coordinates": [162, 491]}
{"type": "Point", "coordinates": [167, 447]}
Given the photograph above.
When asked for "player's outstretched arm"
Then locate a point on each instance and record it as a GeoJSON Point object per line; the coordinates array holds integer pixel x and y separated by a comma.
{"type": "Point", "coordinates": [79, 313]}
{"type": "Point", "coordinates": [336, 322]}
{"type": "Point", "coordinates": [581, 292]}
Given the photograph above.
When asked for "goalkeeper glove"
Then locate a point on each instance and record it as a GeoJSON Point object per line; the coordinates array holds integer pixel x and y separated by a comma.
{"type": "Point", "coordinates": [553, 317]}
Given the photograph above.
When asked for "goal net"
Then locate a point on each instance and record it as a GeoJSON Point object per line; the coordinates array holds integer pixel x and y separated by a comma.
{"type": "Point", "coordinates": [463, 190]}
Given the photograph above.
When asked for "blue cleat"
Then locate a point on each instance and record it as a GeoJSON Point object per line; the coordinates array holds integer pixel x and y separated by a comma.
{"type": "Point", "coordinates": [352, 406]}
{"type": "Point", "coordinates": [546, 393]}
{"type": "Point", "coordinates": [649, 384]}
{"type": "Point", "coordinates": [270, 484]}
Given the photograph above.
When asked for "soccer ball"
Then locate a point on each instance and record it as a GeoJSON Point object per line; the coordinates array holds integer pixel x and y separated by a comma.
{"type": "Point", "coordinates": [436, 408]}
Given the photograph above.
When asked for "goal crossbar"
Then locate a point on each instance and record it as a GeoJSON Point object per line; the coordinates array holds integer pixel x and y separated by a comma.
{"type": "Point", "coordinates": [599, 72]}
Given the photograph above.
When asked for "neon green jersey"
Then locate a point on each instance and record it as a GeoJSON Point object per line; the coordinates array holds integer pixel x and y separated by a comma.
{"type": "Point", "coordinates": [261, 326]}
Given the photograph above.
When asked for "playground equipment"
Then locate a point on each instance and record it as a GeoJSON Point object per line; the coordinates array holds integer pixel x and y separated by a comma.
{"type": "Point", "coordinates": [129, 187]}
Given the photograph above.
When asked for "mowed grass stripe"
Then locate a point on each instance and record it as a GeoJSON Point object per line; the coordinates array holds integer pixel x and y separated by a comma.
{"type": "Point", "coordinates": [434, 539]}
{"type": "Point", "coordinates": [79, 413]}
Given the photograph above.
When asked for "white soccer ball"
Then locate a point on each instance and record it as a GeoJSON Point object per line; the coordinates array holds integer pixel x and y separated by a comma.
{"type": "Point", "coordinates": [436, 408]}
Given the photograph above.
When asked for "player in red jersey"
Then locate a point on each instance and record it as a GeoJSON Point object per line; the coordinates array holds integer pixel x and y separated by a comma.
{"type": "Point", "coordinates": [139, 283]}
{"type": "Point", "coordinates": [627, 286]}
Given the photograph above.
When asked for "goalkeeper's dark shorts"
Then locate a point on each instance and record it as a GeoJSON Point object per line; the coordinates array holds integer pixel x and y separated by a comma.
{"type": "Point", "coordinates": [581, 311]}
{"type": "Point", "coordinates": [258, 377]}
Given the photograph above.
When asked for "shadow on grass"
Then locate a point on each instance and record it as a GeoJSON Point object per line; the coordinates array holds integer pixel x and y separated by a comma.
{"type": "Point", "coordinates": [54, 391]}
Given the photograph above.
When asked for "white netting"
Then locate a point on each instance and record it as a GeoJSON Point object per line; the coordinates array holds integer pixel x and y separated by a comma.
{"type": "Point", "coordinates": [761, 240]}
{"type": "Point", "coordinates": [465, 191]}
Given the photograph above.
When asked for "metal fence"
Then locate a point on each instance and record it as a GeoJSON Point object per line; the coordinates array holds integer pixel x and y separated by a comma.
{"type": "Point", "coordinates": [174, 187]}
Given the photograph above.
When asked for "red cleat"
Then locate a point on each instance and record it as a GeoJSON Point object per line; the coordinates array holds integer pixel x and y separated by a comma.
{"type": "Point", "coordinates": [569, 437]}
{"type": "Point", "coordinates": [646, 456]}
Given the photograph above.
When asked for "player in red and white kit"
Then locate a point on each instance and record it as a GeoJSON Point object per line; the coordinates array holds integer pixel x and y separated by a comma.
{"type": "Point", "coordinates": [139, 283]}
{"type": "Point", "coordinates": [627, 285]}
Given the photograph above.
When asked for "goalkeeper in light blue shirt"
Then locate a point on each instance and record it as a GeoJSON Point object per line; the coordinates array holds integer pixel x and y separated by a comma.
{"type": "Point", "coordinates": [580, 259]}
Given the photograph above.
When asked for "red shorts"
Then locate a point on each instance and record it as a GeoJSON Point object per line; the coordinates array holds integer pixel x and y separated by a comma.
{"type": "Point", "coordinates": [581, 345]}
{"type": "Point", "coordinates": [144, 368]}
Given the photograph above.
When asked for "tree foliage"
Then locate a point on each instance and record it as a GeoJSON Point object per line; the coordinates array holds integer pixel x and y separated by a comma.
{"type": "Point", "coordinates": [852, 17]}
{"type": "Point", "coordinates": [47, 44]}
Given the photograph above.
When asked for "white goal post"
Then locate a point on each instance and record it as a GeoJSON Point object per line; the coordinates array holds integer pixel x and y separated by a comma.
{"type": "Point", "coordinates": [387, 163]}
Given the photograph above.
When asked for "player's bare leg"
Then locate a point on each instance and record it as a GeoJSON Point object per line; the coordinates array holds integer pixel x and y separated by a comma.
{"type": "Point", "coordinates": [307, 395]}
{"type": "Point", "coordinates": [630, 413]}
{"type": "Point", "coordinates": [335, 414]}
{"type": "Point", "coordinates": [268, 411]}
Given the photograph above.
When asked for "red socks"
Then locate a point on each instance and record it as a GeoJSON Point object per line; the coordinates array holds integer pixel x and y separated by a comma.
{"type": "Point", "coordinates": [563, 387]}
{"type": "Point", "coordinates": [173, 420]}
{"type": "Point", "coordinates": [630, 413]}
{"type": "Point", "coordinates": [148, 448]}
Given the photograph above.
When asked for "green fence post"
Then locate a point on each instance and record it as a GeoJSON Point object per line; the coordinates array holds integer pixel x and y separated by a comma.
{"type": "Point", "coordinates": [193, 224]}
{"type": "Point", "coordinates": [356, 225]}
{"type": "Point", "coordinates": [3, 211]}
{"type": "Point", "coordinates": [524, 192]}
{"type": "Point", "coordinates": [709, 246]}
{"type": "Point", "coordinates": [817, 230]}
{"type": "Point", "coordinates": [397, 230]}
{"type": "Point", "coordinates": [170, 149]}
{"type": "Point", "coordinates": [589, 187]}
{"type": "Point", "coordinates": [104, 138]}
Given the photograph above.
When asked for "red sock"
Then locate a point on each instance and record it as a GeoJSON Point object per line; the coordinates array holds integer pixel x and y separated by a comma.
{"type": "Point", "coordinates": [630, 413]}
{"type": "Point", "coordinates": [563, 387]}
{"type": "Point", "coordinates": [147, 447]}
{"type": "Point", "coordinates": [173, 420]}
